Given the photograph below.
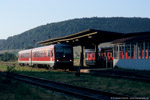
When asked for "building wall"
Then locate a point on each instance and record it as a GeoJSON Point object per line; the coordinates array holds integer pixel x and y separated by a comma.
{"type": "Point", "coordinates": [140, 64]}
{"type": "Point", "coordinates": [132, 55]}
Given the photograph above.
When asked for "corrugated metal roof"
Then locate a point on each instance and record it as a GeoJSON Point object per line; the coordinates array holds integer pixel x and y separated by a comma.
{"type": "Point", "coordinates": [134, 37]}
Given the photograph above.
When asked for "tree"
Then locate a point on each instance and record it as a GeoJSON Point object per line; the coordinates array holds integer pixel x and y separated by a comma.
{"type": "Point", "coordinates": [8, 57]}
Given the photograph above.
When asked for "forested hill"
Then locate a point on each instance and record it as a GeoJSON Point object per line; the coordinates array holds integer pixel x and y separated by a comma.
{"type": "Point", "coordinates": [40, 33]}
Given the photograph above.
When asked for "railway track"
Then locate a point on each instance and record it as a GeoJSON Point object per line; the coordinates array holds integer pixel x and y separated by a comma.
{"type": "Point", "coordinates": [79, 92]}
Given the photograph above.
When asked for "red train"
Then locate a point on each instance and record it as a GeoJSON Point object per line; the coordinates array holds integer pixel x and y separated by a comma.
{"type": "Point", "coordinates": [105, 56]}
{"type": "Point", "coordinates": [52, 56]}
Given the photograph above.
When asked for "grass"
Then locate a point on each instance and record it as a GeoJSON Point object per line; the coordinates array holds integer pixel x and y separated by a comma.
{"type": "Point", "coordinates": [15, 90]}
{"type": "Point", "coordinates": [144, 73]}
{"type": "Point", "coordinates": [121, 86]}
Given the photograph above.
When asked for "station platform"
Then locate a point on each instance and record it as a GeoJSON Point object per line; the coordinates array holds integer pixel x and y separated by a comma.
{"type": "Point", "coordinates": [90, 69]}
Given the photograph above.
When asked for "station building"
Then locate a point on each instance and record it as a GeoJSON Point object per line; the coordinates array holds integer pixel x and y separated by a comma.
{"type": "Point", "coordinates": [132, 51]}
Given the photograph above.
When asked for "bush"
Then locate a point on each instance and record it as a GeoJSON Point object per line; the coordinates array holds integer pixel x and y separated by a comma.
{"type": "Point", "coordinates": [8, 57]}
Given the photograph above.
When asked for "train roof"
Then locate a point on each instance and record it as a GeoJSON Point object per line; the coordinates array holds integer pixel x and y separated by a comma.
{"type": "Point", "coordinates": [53, 45]}
{"type": "Point", "coordinates": [61, 45]}
{"type": "Point", "coordinates": [44, 47]}
{"type": "Point", "coordinates": [25, 51]}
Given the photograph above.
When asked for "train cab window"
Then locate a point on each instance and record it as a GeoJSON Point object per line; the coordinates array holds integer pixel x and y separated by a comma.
{"type": "Point", "coordinates": [64, 51]}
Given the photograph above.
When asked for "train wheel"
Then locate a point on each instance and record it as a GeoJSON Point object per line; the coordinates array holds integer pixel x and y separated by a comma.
{"type": "Point", "coordinates": [71, 69]}
{"type": "Point", "coordinates": [35, 66]}
{"type": "Point", "coordinates": [54, 67]}
{"type": "Point", "coordinates": [65, 69]}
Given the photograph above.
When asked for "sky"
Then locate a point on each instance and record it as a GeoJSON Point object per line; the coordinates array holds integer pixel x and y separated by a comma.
{"type": "Point", "coordinates": [18, 16]}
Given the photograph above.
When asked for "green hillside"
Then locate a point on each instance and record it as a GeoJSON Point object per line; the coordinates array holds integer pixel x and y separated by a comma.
{"type": "Point", "coordinates": [52, 30]}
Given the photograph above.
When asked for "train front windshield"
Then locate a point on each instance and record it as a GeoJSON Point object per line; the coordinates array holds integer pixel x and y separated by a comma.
{"type": "Point", "coordinates": [63, 52]}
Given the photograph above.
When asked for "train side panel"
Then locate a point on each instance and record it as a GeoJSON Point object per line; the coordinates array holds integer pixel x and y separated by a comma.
{"type": "Point", "coordinates": [43, 56]}
{"type": "Point", "coordinates": [105, 56]}
{"type": "Point", "coordinates": [57, 56]}
{"type": "Point", "coordinates": [24, 57]}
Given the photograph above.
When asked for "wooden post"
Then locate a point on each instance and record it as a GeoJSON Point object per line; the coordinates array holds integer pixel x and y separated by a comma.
{"type": "Point", "coordinates": [81, 56]}
{"type": "Point", "coordinates": [113, 55]}
{"type": "Point", "coordinates": [81, 61]}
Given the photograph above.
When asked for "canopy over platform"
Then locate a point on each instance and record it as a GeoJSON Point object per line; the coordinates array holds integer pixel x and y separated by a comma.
{"type": "Point", "coordinates": [136, 34]}
{"type": "Point", "coordinates": [90, 36]}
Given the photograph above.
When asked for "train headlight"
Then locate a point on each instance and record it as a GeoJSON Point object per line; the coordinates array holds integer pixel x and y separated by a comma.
{"type": "Point", "coordinates": [70, 60]}
{"type": "Point", "coordinates": [57, 60]}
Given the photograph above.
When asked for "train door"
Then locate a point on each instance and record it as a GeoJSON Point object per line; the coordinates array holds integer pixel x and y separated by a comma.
{"type": "Point", "coordinates": [52, 54]}
{"type": "Point", "coordinates": [106, 58]}
{"type": "Point", "coordinates": [102, 60]}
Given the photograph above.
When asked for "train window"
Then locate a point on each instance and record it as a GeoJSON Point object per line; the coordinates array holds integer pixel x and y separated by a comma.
{"type": "Point", "coordinates": [25, 55]}
{"type": "Point", "coordinates": [36, 54]}
{"type": "Point", "coordinates": [87, 55]}
{"type": "Point", "coordinates": [116, 56]}
{"type": "Point", "coordinates": [51, 53]}
{"type": "Point", "coordinates": [93, 55]}
{"type": "Point", "coordinates": [44, 53]}
{"type": "Point", "coordinates": [105, 53]}
{"type": "Point", "coordinates": [59, 50]}
{"type": "Point", "coordinates": [110, 54]}
{"type": "Point", "coordinates": [40, 54]}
